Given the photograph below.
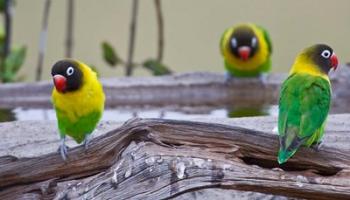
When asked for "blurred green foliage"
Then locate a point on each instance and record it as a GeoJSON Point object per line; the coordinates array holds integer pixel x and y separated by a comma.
{"type": "Point", "coordinates": [246, 111]}
{"type": "Point", "coordinates": [12, 63]}
{"type": "Point", "coordinates": [7, 115]}
{"type": "Point", "coordinates": [110, 56]}
{"type": "Point", "coordinates": [156, 67]}
{"type": "Point", "coordinates": [2, 5]}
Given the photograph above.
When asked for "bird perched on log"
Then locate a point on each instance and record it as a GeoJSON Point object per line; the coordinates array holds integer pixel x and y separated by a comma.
{"type": "Point", "coordinates": [246, 49]}
{"type": "Point", "coordinates": [305, 100]}
{"type": "Point", "coordinates": [78, 99]}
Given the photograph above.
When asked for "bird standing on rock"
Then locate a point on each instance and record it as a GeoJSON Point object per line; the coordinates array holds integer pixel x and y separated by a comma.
{"type": "Point", "coordinates": [305, 100]}
{"type": "Point", "coordinates": [78, 99]}
{"type": "Point", "coordinates": [246, 49]}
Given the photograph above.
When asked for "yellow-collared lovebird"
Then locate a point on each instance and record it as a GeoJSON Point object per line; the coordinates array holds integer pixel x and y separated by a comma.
{"type": "Point", "coordinates": [246, 49]}
{"type": "Point", "coordinates": [78, 99]}
{"type": "Point", "coordinates": [305, 100]}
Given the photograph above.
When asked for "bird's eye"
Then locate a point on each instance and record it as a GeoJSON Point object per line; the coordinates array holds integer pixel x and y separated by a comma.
{"type": "Point", "coordinates": [70, 71]}
{"type": "Point", "coordinates": [326, 54]}
{"type": "Point", "coordinates": [254, 41]}
{"type": "Point", "coordinates": [234, 42]}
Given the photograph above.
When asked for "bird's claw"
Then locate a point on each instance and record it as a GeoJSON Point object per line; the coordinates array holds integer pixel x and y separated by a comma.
{"type": "Point", "coordinates": [263, 78]}
{"type": "Point", "coordinates": [228, 77]}
{"type": "Point", "coordinates": [63, 149]}
{"type": "Point", "coordinates": [317, 146]}
{"type": "Point", "coordinates": [86, 142]}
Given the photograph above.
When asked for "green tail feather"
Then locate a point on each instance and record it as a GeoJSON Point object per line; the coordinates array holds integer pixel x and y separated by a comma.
{"type": "Point", "coordinates": [289, 144]}
{"type": "Point", "coordinates": [284, 155]}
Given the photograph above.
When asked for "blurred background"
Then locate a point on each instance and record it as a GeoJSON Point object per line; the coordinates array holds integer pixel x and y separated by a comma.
{"type": "Point", "coordinates": [192, 30]}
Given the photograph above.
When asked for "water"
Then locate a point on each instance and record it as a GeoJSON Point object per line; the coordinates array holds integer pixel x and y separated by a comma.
{"type": "Point", "coordinates": [123, 114]}
{"type": "Point", "coordinates": [7, 115]}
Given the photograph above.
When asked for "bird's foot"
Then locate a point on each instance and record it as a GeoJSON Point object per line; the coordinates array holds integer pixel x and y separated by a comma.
{"type": "Point", "coordinates": [263, 78]}
{"type": "Point", "coordinates": [317, 146]}
{"type": "Point", "coordinates": [63, 149]}
{"type": "Point", "coordinates": [162, 114]}
{"type": "Point", "coordinates": [228, 77]}
{"type": "Point", "coordinates": [87, 141]}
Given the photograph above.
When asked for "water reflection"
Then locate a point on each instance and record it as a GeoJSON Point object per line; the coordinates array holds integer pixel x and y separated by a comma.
{"type": "Point", "coordinates": [7, 115]}
{"type": "Point", "coordinates": [123, 114]}
{"type": "Point", "coordinates": [247, 111]}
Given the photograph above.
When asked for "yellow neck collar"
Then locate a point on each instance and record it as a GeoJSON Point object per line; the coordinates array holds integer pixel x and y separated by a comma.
{"type": "Point", "coordinates": [302, 64]}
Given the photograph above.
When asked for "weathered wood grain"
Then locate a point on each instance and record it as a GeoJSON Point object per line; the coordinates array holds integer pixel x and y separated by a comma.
{"type": "Point", "coordinates": [158, 159]}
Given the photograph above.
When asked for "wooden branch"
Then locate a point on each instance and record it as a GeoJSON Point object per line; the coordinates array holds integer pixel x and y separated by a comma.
{"type": "Point", "coordinates": [43, 40]}
{"type": "Point", "coordinates": [70, 28]}
{"type": "Point", "coordinates": [157, 159]}
{"type": "Point", "coordinates": [8, 12]}
{"type": "Point", "coordinates": [160, 25]}
{"type": "Point", "coordinates": [133, 23]}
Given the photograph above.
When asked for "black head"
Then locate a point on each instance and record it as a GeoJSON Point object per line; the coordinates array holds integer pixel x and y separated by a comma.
{"type": "Point", "coordinates": [323, 56]}
{"type": "Point", "coordinates": [244, 43]}
{"type": "Point", "coordinates": [67, 76]}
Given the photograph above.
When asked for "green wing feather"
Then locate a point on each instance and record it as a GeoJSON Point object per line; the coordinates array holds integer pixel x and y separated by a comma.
{"type": "Point", "coordinates": [267, 65]}
{"type": "Point", "coordinates": [303, 109]}
{"type": "Point", "coordinates": [267, 38]}
{"type": "Point", "coordinates": [223, 41]}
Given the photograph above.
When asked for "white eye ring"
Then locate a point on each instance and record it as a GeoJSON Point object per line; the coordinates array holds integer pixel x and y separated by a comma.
{"type": "Point", "coordinates": [70, 71]}
{"type": "Point", "coordinates": [254, 41]}
{"type": "Point", "coordinates": [326, 54]}
{"type": "Point", "coordinates": [234, 42]}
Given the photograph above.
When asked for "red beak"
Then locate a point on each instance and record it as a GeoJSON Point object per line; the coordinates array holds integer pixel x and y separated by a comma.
{"type": "Point", "coordinates": [244, 52]}
{"type": "Point", "coordinates": [60, 82]}
{"type": "Point", "coordinates": [334, 61]}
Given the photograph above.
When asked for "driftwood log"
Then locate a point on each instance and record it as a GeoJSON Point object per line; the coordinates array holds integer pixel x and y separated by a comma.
{"type": "Point", "coordinates": [179, 90]}
{"type": "Point", "coordinates": [160, 159]}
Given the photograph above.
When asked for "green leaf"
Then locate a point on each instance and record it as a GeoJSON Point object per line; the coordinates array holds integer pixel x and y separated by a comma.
{"type": "Point", "coordinates": [2, 50]}
{"type": "Point", "coordinates": [2, 40]}
{"type": "Point", "coordinates": [13, 63]}
{"type": "Point", "coordinates": [109, 54]}
{"type": "Point", "coordinates": [2, 6]}
{"type": "Point", "coordinates": [156, 67]}
{"type": "Point", "coordinates": [15, 59]}
{"type": "Point", "coordinates": [7, 115]}
{"type": "Point", "coordinates": [8, 76]}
